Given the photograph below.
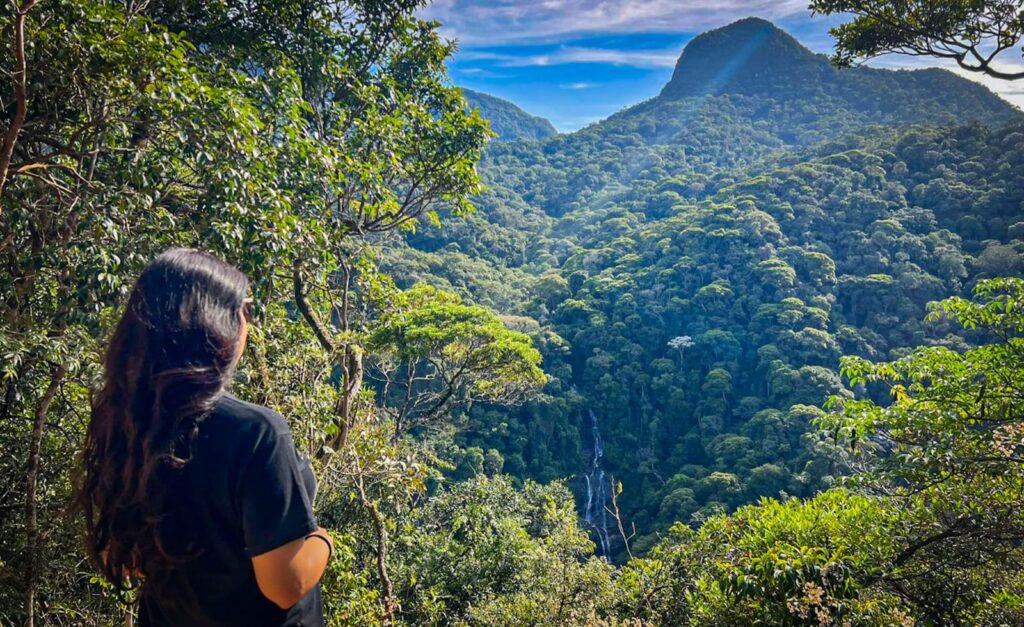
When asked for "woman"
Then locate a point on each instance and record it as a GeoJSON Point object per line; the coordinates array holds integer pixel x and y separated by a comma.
{"type": "Point", "coordinates": [198, 495]}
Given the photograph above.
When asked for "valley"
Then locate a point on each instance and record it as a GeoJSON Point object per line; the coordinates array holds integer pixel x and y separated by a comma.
{"type": "Point", "coordinates": [780, 212]}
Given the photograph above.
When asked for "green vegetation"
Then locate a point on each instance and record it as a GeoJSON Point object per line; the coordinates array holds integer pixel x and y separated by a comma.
{"type": "Point", "coordinates": [777, 242]}
{"type": "Point", "coordinates": [507, 120]}
{"type": "Point", "coordinates": [727, 286]}
{"type": "Point", "coordinates": [973, 34]}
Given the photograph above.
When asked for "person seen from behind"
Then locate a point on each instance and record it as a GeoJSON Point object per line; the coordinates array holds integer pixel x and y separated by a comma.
{"type": "Point", "coordinates": [194, 495]}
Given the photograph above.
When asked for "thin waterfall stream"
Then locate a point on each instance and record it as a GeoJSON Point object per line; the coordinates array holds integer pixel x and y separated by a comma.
{"type": "Point", "coordinates": [595, 514]}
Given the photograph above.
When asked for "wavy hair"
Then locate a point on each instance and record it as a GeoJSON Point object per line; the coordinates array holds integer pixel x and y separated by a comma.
{"type": "Point", "coordinates": [170, 358]}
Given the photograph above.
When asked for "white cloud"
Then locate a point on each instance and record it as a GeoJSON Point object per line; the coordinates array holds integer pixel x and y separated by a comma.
{"type": "Point", "coordinates": [576, 54]}
{"type": "Point", "coordinates": [635, 58]}
{"type": "Point", "coordinates": [579, 85]}
{"type": "Point", "coordinates": [495, 22]}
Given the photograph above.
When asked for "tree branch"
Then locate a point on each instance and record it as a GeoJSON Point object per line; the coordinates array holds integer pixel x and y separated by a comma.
{"type": "Point", "coordinates": [31, 507]}
{"type": "Point", "coordinates": [985, 68]}
{"type": "Point", "coordinates": [319, 330]}
{"type": "Point", "coordinates": [20, 94]}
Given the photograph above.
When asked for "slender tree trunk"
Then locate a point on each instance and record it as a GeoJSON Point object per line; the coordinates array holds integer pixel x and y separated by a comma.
{"type": "Point", "coordinates": [352, 366]}
{"type": "Point", "coordinates": [350, 360]}
{"type": "Point", "coordinates": [20, 92]}
{"type": "Point", "coordinates": [381, 531]}
{"type": "Point", "coordinates": [353, 383]}
{"type": "Point", "coordinates": [32, 481]}
{"type": "Point", "coordinates": [259, 353]}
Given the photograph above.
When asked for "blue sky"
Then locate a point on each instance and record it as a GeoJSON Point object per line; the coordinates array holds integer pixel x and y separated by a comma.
{"type": "Point", "coordinates": [578, 61]}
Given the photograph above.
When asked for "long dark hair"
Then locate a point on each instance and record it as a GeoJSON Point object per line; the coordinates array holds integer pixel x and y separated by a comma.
{"type": "Point", "coordinates": [171, 356]}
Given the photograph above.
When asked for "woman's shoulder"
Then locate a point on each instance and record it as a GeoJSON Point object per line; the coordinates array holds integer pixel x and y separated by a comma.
{"type": "Point", "coordinates": [248, 418]}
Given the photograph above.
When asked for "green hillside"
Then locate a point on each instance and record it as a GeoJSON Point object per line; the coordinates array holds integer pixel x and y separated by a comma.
{"type": "Point", "coordinates": [776, 212]}
{"type": "Point", "coordinates": [507, 120]}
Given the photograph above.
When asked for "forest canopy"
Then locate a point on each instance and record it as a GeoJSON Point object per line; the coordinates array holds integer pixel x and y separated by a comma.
{"type": "Point", "coordinates": [746, 353]}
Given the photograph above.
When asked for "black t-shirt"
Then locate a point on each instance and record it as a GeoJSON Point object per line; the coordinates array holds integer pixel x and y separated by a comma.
{"type": "Point", "coordinates": [244, 492]}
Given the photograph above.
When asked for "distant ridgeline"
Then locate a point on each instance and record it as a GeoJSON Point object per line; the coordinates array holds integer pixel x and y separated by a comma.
{"type": "Point", "coordinates": [507, 120]}
{"type": "Point", "coordinates": [776, 211]}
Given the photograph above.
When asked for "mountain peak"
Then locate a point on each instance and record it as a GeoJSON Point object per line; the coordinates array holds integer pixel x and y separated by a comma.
{"type": "Point", "coordinates": [747, 56]}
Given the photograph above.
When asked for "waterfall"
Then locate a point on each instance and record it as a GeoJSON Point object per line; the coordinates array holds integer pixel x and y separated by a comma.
{"type": "Point", "coordinates": [595, 515]}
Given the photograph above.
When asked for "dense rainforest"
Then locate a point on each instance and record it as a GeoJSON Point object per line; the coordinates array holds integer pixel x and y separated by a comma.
{"type": "Point", "coordinates": [507, 121]}
{"type": "Point", "coordinates": [747, 353]}
{"type": "Point", "coordinates": [698, 264]}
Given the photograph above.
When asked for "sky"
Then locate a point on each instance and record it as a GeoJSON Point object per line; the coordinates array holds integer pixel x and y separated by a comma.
{"type": "Point", "coordinates": [575, 62]}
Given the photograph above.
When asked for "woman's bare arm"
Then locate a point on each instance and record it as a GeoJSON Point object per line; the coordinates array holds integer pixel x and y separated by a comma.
{"type": "Point", "coordinates": [287, 573]}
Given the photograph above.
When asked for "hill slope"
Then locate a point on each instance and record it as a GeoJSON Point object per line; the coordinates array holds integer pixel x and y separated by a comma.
{"type": "Point", "coordinates": [507, 120]}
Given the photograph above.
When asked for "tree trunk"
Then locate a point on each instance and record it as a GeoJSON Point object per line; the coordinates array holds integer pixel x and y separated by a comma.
{"type": "Point", "coordinates": [20, 93]}
{"type": "Point", "coordinates": [32, 481]}
{"type": "Point", "coordinates": [381, 531]}
{"type": "Point", "coordinates": [352, 361]}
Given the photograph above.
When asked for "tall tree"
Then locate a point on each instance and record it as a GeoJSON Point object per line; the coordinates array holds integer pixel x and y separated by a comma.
{"type": "Point", "coordinates": [282, 136]}
{"type": "Point", "coordinates": [947, 453]}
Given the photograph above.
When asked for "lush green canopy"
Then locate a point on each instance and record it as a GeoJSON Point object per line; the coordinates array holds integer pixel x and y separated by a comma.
{"type": "Point", "coordinates": [677, 287]}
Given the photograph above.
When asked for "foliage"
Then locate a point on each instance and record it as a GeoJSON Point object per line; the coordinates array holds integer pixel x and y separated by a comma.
{"type": "Point", "coordinates": [433, 354]}
{"type": "Point", "coordinates": [281, 137]}
{"type": "Point", "coordinates": [972, 33]}
{"type": "Point", "coordinates": [779, 223]}
{"type": "Point", "coordinates": [946, 450]}
{"type": "Point", "coordinates": [124, 151]}
{"type": "Point", "coordinates": [928, 529]}
{"type": "Point", "coordinates": [485, 553]}
{"type": "Point", "coordinates": [807, 562]}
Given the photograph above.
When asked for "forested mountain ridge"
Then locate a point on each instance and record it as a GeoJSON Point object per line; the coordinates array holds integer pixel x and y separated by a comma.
{"type": "Point", "coordinates": [748, 101]}
{"type": "Point", "coordinates": [694, 266]}
{"type": "Point", "coordinates": [507, 120]}
{"type": "Point", "coordinates": [754, 57]}
{"type": "Point", "coordinates": [713, 139]}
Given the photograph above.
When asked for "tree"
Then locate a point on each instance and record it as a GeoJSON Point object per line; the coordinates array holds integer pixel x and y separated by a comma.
{"type": "Point", "coordinates": [433, 354]}
{"type": "Point", "coordinates": [681, 343]}
{"type": "Point", "coordinates": [279, 136]}
{"type": "Point", "coordinates": [484, 553]}
{"type": "Point", "coordinates": [971, 32]}
{"type": "Point", "coordinates": [775, 563]}
{"type": "Point", "coordinates": [947, 452]}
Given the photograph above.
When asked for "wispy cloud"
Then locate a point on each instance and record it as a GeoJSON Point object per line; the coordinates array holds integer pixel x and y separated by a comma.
{"type": "Point", "coordinates": [481, 73]}
{"type": "Point", "coordinates": [575, 54]}
{"type": "Point", "coordinates": [494, 22]}
{"type": "Point", "coordinates": [579, 85]}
